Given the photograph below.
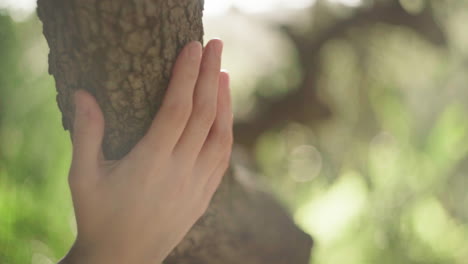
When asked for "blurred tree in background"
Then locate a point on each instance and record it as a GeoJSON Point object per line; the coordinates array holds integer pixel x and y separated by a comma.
{"type": "Point", "coordinates": [355, 115]}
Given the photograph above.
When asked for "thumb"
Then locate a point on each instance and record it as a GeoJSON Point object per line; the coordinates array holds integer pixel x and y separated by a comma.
{"type": "Point", "coordinates": [88, 131]}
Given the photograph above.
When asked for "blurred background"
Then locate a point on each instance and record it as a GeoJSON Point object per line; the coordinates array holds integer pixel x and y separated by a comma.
{"type": "Point", "coordinates": [354, 113]}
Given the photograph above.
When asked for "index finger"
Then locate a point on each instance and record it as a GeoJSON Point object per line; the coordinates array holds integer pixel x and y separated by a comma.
{"type": "Point", "coordinates": [170, 121]}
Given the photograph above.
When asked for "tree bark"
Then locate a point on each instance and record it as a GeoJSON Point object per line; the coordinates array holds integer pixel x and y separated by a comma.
{"type": "Point", "coordinates": [122, 52]}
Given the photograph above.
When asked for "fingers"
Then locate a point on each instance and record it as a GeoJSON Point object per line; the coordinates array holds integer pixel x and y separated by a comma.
{"type": "Point", "coordinates": [88, 132]}
{"type": "Point", "coordinates": [176, 109]}
{"type": "Point", "coordinates": [205, 103]}
{"type": "Point", "coordinates": [220, 137]}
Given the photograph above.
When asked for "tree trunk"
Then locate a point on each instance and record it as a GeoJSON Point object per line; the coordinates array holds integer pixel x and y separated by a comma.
{"type": "Point", "coordinates": [122, 51]}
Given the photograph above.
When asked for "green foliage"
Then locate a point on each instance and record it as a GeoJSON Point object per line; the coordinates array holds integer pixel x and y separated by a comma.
{"type": "Point", "coordinates": [392, 154]}
{"type": "Point", "coordinates": [35, 208]}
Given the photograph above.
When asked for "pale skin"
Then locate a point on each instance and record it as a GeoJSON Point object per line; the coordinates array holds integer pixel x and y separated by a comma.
{"type": "Point", "coordinates": [137, 209]}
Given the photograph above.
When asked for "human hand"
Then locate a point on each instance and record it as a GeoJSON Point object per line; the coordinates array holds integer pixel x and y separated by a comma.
{"type": "Point", "coordinates": [136, 210]}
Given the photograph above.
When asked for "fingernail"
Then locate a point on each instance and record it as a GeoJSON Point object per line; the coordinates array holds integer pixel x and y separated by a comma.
{"type": "Point", "coordinates": [226, 77]}
{"type": "Point", "coordinates": [218, 47]}
{"type": "Point", "coordinates": [195, 50]}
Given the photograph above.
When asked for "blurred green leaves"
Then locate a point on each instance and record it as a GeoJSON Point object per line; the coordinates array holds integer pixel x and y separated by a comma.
{"type": "Point", "coordinates": [393, 153]}
{"type": "Point", "coordinates": [35, 207]}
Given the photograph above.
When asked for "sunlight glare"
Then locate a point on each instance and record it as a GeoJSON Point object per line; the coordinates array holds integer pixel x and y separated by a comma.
{"type": "Point", "coordinates": [351, 3]}
{"type": "Point", "coordinates": [19, 10]}
{"type": "Point", "coordinates": [216, 7]}
{"type": "Point", "coordinates": [22, 5]}
{"type": "Point", "coordinates": [331, 213]}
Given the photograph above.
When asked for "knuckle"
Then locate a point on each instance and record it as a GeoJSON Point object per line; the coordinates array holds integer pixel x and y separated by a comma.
{"type": "Point", "coordinates": [190, 77]}
{"type": "Point", "coordinates": [179, 110]}
{"type": "Point", "coordinates": [151, 151]}
{"type": "Point", "coordinates": [224, 139]}
{"type": "Point", "coordinates": [190, 74]}
{"type": "Point", "coordinates": [205, 113]}
{"type": "Point", "coordinates": [208, 67]}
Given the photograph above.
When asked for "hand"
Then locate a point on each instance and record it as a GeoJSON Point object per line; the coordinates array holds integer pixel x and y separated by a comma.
{"type": "Point", "coordinates": [138, 209]}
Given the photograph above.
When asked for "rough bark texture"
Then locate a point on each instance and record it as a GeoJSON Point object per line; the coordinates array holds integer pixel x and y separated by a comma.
{"type": "Point", "coordinates": [122, 51]}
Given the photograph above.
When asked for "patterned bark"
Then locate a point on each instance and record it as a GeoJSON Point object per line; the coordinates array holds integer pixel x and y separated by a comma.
{"type": "Point", "coordinates": [122, 51]}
